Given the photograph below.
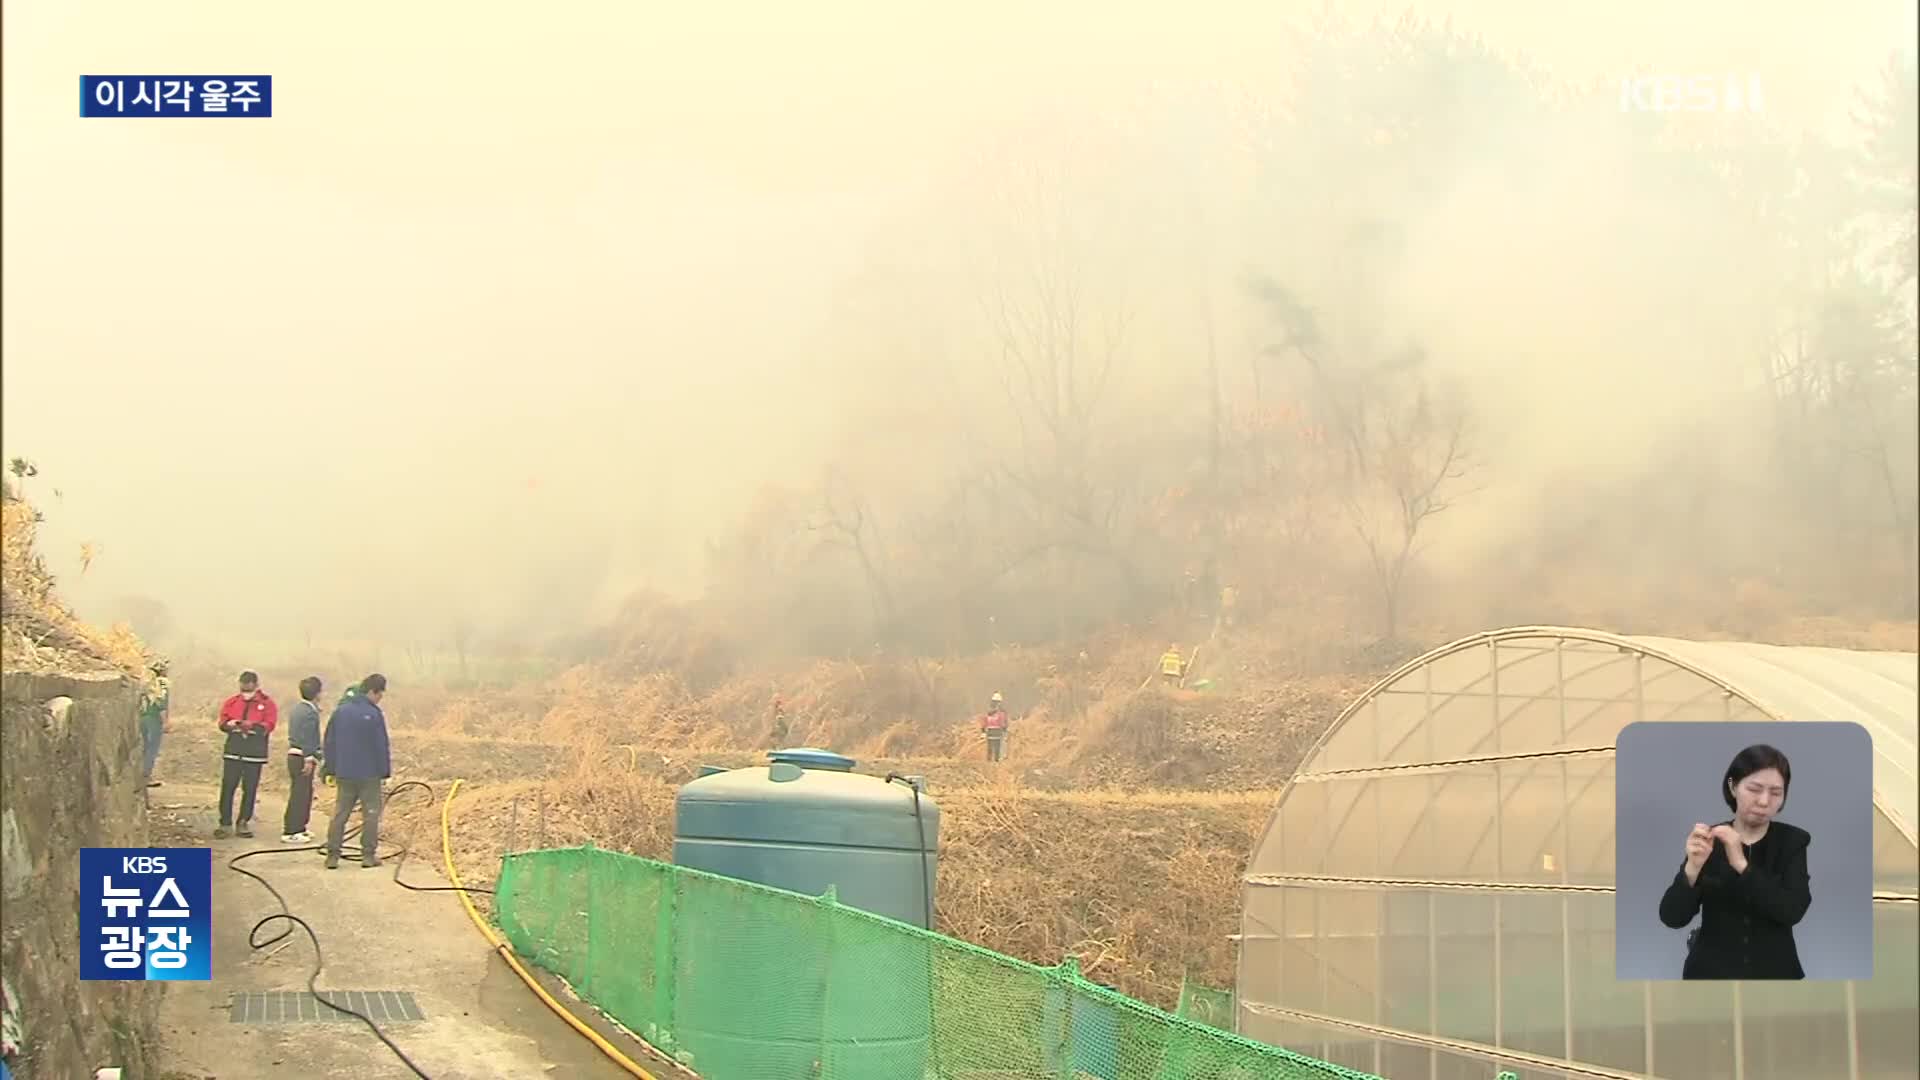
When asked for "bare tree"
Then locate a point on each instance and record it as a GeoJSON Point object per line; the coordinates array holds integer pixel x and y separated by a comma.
{"type": "Point", "coordinates": [1885, 396]}
{"type": "Point", "coordinates": [418, 659]}
{"type": "Point", "coordinates": [150, 616]}
{"type": "Point", "coordinates": [1886, 172]}
{"type": "Point", "coordinates": [462, 639]}
{"type": "Point", "coordinates": [1059, 341]}
{"type": "Point", "coordinates": [1057, 355]}
{"type": "Point", "coordinates": [846, 521]}
{"type": "Point", "coordinates": [1401, 443]}
{"type": "Point", "coordinates": [1855, 425]}
{"type": "Point", "coordinates": [1416, 452]}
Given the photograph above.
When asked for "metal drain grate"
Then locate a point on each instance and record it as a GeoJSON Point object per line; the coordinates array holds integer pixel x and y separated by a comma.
{"type": "Point", "coordinates": [299, 1007]}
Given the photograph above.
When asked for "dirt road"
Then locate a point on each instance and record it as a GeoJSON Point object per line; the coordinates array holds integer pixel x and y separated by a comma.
{"type": "Point", "coordinates": [481, 1021]}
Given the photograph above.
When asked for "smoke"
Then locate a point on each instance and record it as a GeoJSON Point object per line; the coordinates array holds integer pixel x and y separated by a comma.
{"type": "Point", "coordinates": [498, 325]}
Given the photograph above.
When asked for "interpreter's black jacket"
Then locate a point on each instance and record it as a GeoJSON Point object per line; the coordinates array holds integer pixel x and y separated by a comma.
{"type": "Point", "coordinates": [1746, 920]}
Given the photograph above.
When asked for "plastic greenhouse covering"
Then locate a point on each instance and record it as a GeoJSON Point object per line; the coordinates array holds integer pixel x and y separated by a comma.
{"type": "Point", "coordinates": [1433, 897]}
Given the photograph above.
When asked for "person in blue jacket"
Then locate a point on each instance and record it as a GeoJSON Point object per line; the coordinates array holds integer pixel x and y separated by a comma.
{"type": "Point", "coordinates": [355, 752]}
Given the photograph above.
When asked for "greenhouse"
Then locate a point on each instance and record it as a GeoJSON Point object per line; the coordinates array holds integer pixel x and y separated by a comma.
{"type": "Point", "coordinates": [1433, 897]}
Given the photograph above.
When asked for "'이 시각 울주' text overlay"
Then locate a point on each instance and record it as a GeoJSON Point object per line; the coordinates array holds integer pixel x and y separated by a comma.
{"type": "Point", "coordinates": [147, 96]}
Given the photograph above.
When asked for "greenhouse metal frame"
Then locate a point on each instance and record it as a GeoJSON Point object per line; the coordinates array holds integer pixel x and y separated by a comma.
{"type": "Point", "coordinates": [1433, 895]}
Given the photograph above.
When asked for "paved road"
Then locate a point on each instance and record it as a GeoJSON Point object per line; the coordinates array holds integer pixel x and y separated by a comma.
{"type": "Point", "coordinates": [482, 1022]}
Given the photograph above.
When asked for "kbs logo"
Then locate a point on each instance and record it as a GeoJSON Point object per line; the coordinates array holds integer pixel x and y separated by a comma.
{"type": "Point", "coordinates": [146, 913]}
{"type": "Point", "coordinates": [1691, 93]}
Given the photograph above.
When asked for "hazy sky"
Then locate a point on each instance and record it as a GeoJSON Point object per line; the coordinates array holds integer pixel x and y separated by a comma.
{"type": "Point", "coordinates": [503, 292]}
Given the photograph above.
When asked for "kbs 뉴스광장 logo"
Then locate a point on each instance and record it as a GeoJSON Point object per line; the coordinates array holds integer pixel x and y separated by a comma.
{"type": "Point", "coordinates": [146, 914]}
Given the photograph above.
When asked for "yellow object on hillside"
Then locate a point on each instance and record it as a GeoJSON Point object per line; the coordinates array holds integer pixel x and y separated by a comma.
{"type": "Point", "coordinates": [1171, 662]}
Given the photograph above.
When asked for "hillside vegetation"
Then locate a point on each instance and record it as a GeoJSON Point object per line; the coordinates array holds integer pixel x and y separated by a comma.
{"type": "Point", "coordinates": [1116, 832]}
{"type": "Point", "coordinates": [38, 632]}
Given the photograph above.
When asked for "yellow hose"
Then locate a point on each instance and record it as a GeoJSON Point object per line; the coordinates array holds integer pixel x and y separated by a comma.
{"type": "Point", "coordinates": [506, 951]}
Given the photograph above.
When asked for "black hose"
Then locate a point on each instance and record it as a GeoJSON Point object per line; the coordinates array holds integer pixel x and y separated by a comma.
{"type": "Point", "coordinates": [318, 962]}
{"type": "Point", "coordinates": [926, 894]}
{"type": "Point", "coordinates": [353, 851]}
{"type": "Point", "coordinates": [920, 827]}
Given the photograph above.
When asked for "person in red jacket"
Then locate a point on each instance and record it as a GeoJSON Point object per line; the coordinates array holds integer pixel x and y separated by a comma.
{"type": "Point", "coordinates": [993, 723]}
{"type": "Point", "coordinates": [248, 718]}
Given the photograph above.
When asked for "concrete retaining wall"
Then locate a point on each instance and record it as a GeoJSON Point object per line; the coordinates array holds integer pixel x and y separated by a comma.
{"type": "Point", "coordinates": [70, 779]}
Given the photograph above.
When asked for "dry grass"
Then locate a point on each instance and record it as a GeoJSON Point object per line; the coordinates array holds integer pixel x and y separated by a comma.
{"type": "Point", "coordinates": [1704, 609]}
{"type": "Point", "coordinates": [38, 633]}
{"type": "Point", "coordinates": [1141, 887]}
{"type": "Point", "coordinates": [1077, 725]}
{"type": "Point", "coordinates": [1836, 633]}
{"type": "Point", "coordinates": [1092, 840]}
{"type": "Point", "coordinates": [1089, 842]}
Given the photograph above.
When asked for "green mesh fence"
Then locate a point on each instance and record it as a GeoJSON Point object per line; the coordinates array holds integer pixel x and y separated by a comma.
{"type": "Point", "coordinates": [1205, 1005]}
{"type": "Point", "coordinates": [743, 982]}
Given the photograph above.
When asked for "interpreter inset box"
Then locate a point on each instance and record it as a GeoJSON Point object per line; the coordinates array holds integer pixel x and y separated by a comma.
{"type": "Point", "coordinates": [1743, 851]}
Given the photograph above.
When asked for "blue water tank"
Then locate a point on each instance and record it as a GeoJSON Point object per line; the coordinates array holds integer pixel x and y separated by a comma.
{"type": "Point", "coordinates": [806, 821]}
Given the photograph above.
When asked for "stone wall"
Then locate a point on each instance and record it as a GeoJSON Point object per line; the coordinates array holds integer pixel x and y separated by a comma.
{"type": "Point", "coordinates": [69, 778]}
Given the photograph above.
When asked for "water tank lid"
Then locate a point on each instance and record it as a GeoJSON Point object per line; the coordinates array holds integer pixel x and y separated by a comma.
{"type": "Point", "coordinates": [812, 757]}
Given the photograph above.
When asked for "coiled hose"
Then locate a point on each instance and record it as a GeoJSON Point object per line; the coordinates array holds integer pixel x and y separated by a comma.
{"type": "Point", "coordinates": [348, 849]}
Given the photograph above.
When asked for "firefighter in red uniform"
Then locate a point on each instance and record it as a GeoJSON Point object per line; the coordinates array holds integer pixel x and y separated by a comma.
{"type": "Point", "coordinates": [993, 724]}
